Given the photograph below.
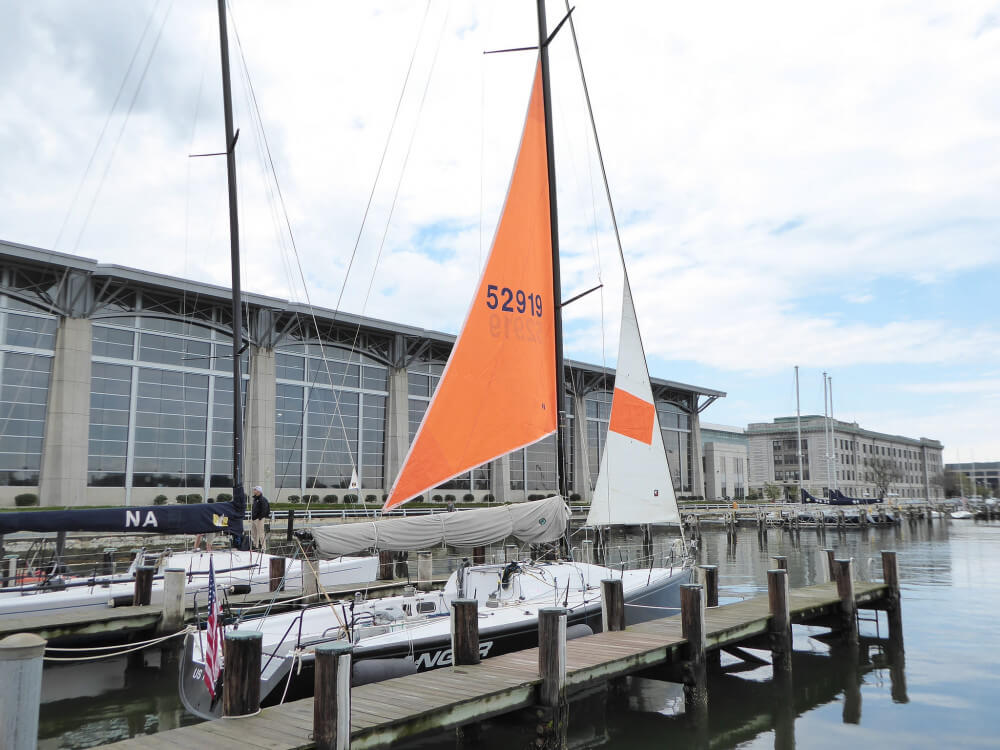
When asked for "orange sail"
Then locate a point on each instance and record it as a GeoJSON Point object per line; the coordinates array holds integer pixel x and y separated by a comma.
{"type": "Point", "coordinates": [498, 390]}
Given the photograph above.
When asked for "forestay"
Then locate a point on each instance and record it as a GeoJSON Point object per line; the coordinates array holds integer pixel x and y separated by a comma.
{"type": "Point", "coordinates": [538, 521]}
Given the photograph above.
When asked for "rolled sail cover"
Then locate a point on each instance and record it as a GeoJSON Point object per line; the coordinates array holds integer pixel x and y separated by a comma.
{"type": "Point", "coordinates": [536, 521]}
{"type": "Point", "coordinates": [202, 518]}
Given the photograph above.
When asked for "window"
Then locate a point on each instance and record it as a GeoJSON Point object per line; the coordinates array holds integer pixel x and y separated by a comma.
{"type": "Point", "coordinates": [24, 389]}
{"type": "Point", "coordinates": [170, 429]}
{"type": "Point", "coordinates": [110, 392]}
{"type": "Point", "coordinates": [288, 436]}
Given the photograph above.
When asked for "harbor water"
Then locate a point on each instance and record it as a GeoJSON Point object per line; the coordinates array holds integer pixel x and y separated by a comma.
{"type": "Point", "coordinates": [943, 695]}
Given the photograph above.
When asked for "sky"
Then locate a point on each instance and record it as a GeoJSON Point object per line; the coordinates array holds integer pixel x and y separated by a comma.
{"type": "Point", "coordinates": [794, 184]}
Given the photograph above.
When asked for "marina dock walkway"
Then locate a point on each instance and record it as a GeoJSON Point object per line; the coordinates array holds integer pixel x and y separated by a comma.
{"type": "Point", "coordinates": [401, 708]}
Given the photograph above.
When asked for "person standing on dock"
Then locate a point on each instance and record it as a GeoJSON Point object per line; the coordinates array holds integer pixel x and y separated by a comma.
{"type": "Point", "coordinates": [260, 511]}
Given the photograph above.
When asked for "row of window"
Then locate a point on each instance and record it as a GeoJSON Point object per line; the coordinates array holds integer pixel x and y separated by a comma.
{"type": "Point", "coordinates": [161, 412]}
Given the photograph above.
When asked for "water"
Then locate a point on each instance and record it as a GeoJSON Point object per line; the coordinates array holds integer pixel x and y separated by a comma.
{"type": "Point", "coordinates": [944, 697]}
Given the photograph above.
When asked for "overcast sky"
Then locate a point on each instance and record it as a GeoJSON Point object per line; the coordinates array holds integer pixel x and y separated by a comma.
{"type": "Point", "coordinates": [795, 183]}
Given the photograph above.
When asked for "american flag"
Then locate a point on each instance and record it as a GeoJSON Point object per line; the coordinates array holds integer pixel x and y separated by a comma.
{"type": "Point", "coordinates": [213, 635]}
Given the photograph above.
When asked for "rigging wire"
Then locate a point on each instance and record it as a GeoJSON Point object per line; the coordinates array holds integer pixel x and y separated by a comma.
{"type": "Point", "coordinates": [121, 131]}
{"type": "Point", "coordinates": [607, 190]}
{"type": "Point", "coordinates": [107, 121]}
{"type": "Point", "coordinates": [270, 163]}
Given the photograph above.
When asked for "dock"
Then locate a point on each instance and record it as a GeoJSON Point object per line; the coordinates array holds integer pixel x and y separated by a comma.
{"type": "Point", "coordinates": [406, 707]}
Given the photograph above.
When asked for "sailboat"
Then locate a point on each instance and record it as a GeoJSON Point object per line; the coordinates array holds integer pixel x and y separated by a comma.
{"type": "Point", "coordinates": [235, 567]}
{"type": "Point", "coordinates": [500, 391]}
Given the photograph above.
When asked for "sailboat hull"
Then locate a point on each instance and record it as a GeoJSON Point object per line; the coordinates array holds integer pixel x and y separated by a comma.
{"type": "Point", "coordinates": [650, 594]}
{"type": "Point", "coordinates": [233, 568]}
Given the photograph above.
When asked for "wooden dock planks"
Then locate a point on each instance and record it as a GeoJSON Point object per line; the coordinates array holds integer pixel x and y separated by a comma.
{"type": "Point", "coordinates": [404, 707]}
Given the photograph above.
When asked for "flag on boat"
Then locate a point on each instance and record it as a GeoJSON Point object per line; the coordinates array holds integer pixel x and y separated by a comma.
{"type": "Point", "coordinates": [354, 480]}
{"type": "Point", "coordinates": [213, 635]}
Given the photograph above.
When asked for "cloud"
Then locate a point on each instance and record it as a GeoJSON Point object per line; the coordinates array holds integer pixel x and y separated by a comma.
{"type": "Point", "coordinates": [770, 170]}
{"type": "Point", "coordinates": [858, 299]}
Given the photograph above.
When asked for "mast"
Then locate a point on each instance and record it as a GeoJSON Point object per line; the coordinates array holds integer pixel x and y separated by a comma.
{"type": "Point", "coordinates": [826, 435]}
{"type": "Point", "coordinates": [234, 253]}
{"type": "Point", "coordinates": [833, 443]}
{"type": "Point", "coordinates": [554, 229]}
{"type": "Point", "coordinates": [798, 429]}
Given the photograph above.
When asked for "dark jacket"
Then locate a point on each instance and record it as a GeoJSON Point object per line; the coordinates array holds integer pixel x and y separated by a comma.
{"type": "Point", "coordinates": [261, 508]}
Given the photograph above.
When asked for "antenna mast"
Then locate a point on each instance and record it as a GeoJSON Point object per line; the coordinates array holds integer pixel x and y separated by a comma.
{"type": "Point", "coordinates": [543, 50]}
{"type": "Point", "coordinates": [234, 253]}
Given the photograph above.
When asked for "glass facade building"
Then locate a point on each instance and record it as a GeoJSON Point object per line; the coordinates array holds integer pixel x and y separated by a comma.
{"type": "Point", "coordinates": [325, 395]}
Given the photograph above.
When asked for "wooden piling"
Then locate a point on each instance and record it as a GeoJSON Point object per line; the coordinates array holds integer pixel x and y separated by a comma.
{"type": "Point", "coordinates": [612, 605]}
{"type": "Point", "coordinates": [60, 547]}
{"type": "Point", "coordinates": [241, 687]}
{"type": "Point", "coordinates": [9, 570]}
{"type": "Point", "coordinates": [465, 631]}
{"type": "Point", "coordinates": [276, 581]}
{"type": "Point", "coordinates": [709, 577]}
{"type": "Point", "coordinates": [848, 606]}
{"type": "Point", "coordinates": [310, 581]}
{"type": "Point", "coordinates": [291, 525]}
{"type": "Point", "coordinates": [693, 630]}
{"type": "Point", "coordinates": [831, 567]}
{"type": "Point", "coordinates": [332, 696]}
{"type": "Point", "coordinates": [425, 568]}
{"type": "Point", "coordinates": [894, 614]}
{"type": "Point", "coordinates": [20, 690]}
{"type": "Point", "coordinates": [781, 620]}
{"type": "Point", "coordinates": [552, 656]}
{"type": "Point", "coordinates": [385, 566]}
{"type": "Point", "coordinates": [143, 585]}
{"type": "Point", "coordinates": [710, 580]}
{"type": "Point", "coordinates": [780, 562]}
{"type": "Point", "coordinates": [172, 617]}
{"type": "Point", "coordinates": [478, 555]}
{"type": "Point", "coordinates": [108, 562]}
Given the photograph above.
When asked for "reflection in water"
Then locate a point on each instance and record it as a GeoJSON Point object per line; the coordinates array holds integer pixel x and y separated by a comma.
{"type": "Point", "coordinates": [91, 703]}
{"type": "Point", "coordinates": [942, 695]}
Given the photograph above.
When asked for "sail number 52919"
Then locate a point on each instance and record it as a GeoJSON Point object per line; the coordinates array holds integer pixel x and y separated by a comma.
{"type": "Point", "coordinates": [513, 301]}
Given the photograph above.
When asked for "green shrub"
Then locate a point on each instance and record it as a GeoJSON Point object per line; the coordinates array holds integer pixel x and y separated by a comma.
{"type": "Point", "coordinates": [224, 497]}
{"type": "Point", "coordinates": [385, 496]}
{"type": "Point", "coordinates": [370, 499]}
{"type": "Point", "coordinates": [180, 499]}
{"type": "Point", "coordinates": [293, 499]}
{"type": "Point", "coordinates": [449, 498]}
{"type": "Point", "coordinates": [25, 499]}
{"type": "Point", "coordinates": [490, 498]}
{"type": "Point", "coordinates": [193, 499]}
{"type": "Point", "coordinates": [160, 500]}
{"type": "Point", "coordinates": [468, 497]}
{"type": "Point", "coordinates": [417, 499]}
{"type": "Point", "coordinates": [535, 497]}
{"type": "Point", "coordinates": [328, 499]}
{"type": "Point", "coordinates": [350, 498]}
{"type": "Point", "coordinates": [310, 498]}
{"type": "Point", "coordinates": [436, 499]}
{"type": "Point", "coordinates": [575, 497]}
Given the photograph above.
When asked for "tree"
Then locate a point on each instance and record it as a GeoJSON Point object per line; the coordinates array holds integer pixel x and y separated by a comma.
{"type": "Point", "coordinates": [772, 491]}
{"type": "Point", "coordinates": [884, 473]}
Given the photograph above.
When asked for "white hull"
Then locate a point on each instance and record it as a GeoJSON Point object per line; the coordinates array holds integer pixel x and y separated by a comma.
{"type": "Point", "coordinates": [232, 568]}
{"type": "Point", "coordinates": [413, 632]}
